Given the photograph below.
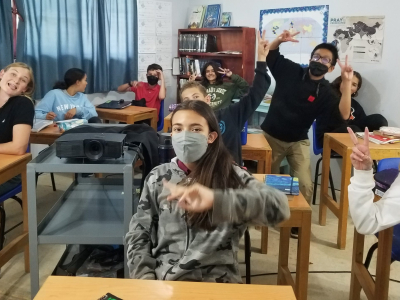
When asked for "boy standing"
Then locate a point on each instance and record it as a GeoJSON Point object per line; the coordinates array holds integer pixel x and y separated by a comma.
{"type": "Point", "coordinates": [150, 90]}
{"type": "Point", "coordinates": [232, 118]}
{"type": "Point", "coordinates": [301, 96]}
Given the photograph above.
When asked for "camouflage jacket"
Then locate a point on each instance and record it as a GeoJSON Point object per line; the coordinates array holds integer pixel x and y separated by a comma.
{"type": "Point", "coordinates": [161, 245]}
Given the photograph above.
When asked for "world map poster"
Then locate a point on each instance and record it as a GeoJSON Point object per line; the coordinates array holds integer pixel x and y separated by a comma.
{"type": "Point", "coordinates": [310, 21]}
{"type": "Point", "coordinates": [360, 38]}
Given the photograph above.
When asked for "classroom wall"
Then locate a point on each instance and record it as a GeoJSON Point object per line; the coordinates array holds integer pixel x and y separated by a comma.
{"type": "Point", "coordinates": [381, 89]}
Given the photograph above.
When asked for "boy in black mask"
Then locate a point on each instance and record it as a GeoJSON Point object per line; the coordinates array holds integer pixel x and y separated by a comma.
{"type": "Point", "coordinates": [301, 96]}
{"type": "Point", "coordinates": [150, 90]}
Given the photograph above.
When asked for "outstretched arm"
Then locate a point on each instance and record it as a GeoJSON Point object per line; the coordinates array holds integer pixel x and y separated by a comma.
{"type": "Point", "coordinates": [345, 89]}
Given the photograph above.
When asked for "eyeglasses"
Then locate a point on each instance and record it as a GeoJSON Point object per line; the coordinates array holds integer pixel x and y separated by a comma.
{"type": "Point", "coordinates": [324, 60]}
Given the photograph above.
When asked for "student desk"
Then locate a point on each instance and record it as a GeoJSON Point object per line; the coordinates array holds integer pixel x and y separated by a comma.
{"type": "Point", "coordinates": [342, 144]}
{"type": "Point", "coordinates": [129, 115]}
{"type": "Point", "coordinates": [11, 166]}
{"type": "Point", "coordinates": [167, 122]}
{"type": "Point", "coordinates": [361, 278]}
{"type": "Point", "coordinates": [63, 288]}
{"type": "Point", "coordinates": [300, 216]}
{"type": "Point", "coordinates": [46, 136]}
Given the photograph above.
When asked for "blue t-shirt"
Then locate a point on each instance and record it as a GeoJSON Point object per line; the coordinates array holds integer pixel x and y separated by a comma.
{"type": "Point", "coordinates": [59, 102]}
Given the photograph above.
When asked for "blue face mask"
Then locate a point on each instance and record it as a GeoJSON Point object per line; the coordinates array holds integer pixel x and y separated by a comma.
{"type": "Point", "coordinates": [189, 147]}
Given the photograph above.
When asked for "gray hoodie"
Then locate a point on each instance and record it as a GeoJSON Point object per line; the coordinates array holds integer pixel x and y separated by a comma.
{"type": "Point", "coordinates": [161, 245]}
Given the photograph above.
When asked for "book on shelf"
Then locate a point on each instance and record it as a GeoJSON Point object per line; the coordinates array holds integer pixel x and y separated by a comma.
{"type": "Point", "coordinates": [212, 15]}
{"type": "Point", "coordinates": [379, 139]}
{"type": "Point", "coordinates": [41, 124]}
{"type": "Point", "coordinates": [189, 65]}
{"type": "Point", "coordinates": [288, 185]}
{"type": "Point", "coordinates": [197, 43]}
{"type": "Point", "coordinates": [196, 15]}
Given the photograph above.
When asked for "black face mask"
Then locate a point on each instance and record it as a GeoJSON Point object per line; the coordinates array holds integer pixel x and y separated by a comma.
{"type": "Point", "coordinates": [152, 80]}
{"type": "Point", "coordinates": [317, 69]}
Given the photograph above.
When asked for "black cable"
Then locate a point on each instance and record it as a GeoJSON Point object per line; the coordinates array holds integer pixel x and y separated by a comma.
{"type": "Point", "coordinates": [316, 272]}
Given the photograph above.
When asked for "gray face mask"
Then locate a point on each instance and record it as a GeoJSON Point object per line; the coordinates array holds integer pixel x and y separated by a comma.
{"type": "Point", "coordinates": [189, 146]}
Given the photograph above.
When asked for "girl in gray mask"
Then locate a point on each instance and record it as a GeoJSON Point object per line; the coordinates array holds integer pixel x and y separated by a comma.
{"type": "Point", "coordinates": [194, 210]}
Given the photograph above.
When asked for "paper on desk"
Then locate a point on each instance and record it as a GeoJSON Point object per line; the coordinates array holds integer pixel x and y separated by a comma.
{"type": "Point", "coordinates": [144, 60]}
{"type": "Point", "coordinates": [164, 59]}
{"type": "Point", "coordinates": [163, 9]}
{"type": "Point", "coordinates": [146, 44]}
{"type": "Point", "coordinates": [164, 27]}
{"type": "Point", "coordinates": [146, 26]}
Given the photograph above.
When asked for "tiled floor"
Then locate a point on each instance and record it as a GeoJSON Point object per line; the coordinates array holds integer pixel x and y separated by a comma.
{"type": "Point", "coordinates": [329, 267]}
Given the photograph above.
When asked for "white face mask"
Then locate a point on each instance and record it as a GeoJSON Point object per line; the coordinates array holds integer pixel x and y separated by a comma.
{"type": "Point", "coordinates": [189, 147]}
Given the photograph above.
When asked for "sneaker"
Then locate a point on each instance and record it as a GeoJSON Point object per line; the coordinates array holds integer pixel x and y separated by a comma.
{"type": "Point", "coordinates": [294, 232]}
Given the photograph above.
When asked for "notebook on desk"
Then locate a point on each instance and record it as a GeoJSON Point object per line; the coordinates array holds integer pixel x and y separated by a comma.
{"type": "Point", "coordinates": [115, 104]}
{"type": "Point", "coordinates": [288, 185]}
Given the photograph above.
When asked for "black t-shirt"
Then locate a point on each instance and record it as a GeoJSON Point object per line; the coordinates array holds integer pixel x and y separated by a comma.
{"type": "Point", "coordinates": [297, 101]}
{"type": "Point", "coordinates": [17, 110]}
{"type": "Point", "coordinates": [232, 118]}
{"type": "Point", "coordinates": [357, 112]}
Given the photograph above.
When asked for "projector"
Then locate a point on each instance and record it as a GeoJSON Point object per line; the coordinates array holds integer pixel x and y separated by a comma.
{"type": "Point", "coordinates": [94, 146]}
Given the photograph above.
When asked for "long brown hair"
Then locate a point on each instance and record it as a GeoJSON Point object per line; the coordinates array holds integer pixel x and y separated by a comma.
{"type": "Point", "coordinates": [31, 85]}
{"type": "Point", "coordinates": [215, 168]}
{"type": "Point", "coordinates": [338, 81]}
{"type": "Point", "coordinates": [215, 66]}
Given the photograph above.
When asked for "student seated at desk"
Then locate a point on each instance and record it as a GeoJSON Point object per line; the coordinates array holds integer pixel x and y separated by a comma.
{"type": "Point", "coordinates": [67, 100]}
{"type": "Point", "coordinates": [189, 228]}
{"type": "Point", "coordinates": [358, 117]}
{"type": "Point", "coordinates": [221, 93]}
{"type": "Point", "coordinates": [232, 118]}
{"type": "Point", "coordinates": [370, 217]}
{"type": "Point", "coordinates": [150, 90]}
{"type": "Point", "coordinates": [16, 113]}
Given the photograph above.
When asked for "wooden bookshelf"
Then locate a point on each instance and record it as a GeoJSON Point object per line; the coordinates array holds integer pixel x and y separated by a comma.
{"type": "Point", "coordinates": [241, 39]}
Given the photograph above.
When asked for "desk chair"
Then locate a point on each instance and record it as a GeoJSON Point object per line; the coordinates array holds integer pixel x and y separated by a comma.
{"type": "Point", "coordinates": [160, 123]}
{"type": "Point", "coordinates": [384, 164]}
{"type": "Point", "coordinates": [317, 151]}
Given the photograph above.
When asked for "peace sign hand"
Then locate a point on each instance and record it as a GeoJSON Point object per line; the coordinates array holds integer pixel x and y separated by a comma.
{"type": "Point", "coordinates": [226, 72]}
{"type": "Point", "coordinates": [287, 36]}
{"type": "Point", "coordinates": [193, 77]}
{"type": "Point", "coordinates": [360, 158]}
{"type": "Point", "coordinates": [263, 46]}
{"type": "Point", "coordinates": [347, 70]}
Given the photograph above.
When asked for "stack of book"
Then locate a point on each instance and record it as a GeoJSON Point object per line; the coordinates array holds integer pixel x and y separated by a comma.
{"type": "Point", "coordinates": [207, 16]}
{"type": "Point", "coordinates": [197, 43]}
{"type": "Point", "coordinates": [380, 138]}
{"type": "Point", "coordinates": [189, 65]}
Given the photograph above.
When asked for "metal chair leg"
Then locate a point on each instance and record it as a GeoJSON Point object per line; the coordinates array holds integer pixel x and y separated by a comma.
{"type": "Point", "coordinates": [18, 200]}
{"type": "Point", "coordinates": [369, 255]}
{"type": "Point", "coordinates": [332, 186]}
{"type": "Point", "coordinates": [247, 254]}
{"type": "Point", "coordinates": [316, 181]}
{"type": "Point", "coordinates": [53, 182]}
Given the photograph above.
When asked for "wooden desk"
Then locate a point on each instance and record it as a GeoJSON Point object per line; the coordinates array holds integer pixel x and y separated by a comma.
{"type": "Point", "coordinates": [129, 115]}
{"type": "Point", "coordinates": [167, 122]}
{"type": "Point", "coordinates": [58, 287]}
{"type": "Point", "coordinates": [46, 136]}
{"type": "Point", "coordinates": [300, 216]}
{"type": "Point", "coordinates": [342, 144]}
{"type": "Point", "coordinates": [257, 148]}
{"type": "Point", "coordinates": [11, 166]}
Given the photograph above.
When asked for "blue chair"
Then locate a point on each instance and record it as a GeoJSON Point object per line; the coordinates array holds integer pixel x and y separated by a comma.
{"type": "Point", "coordinates": [318, 151]}
{"type": "Point", "coordinates": [160, 123]}
{"type": "Point", "coordinates": [384, 164]}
